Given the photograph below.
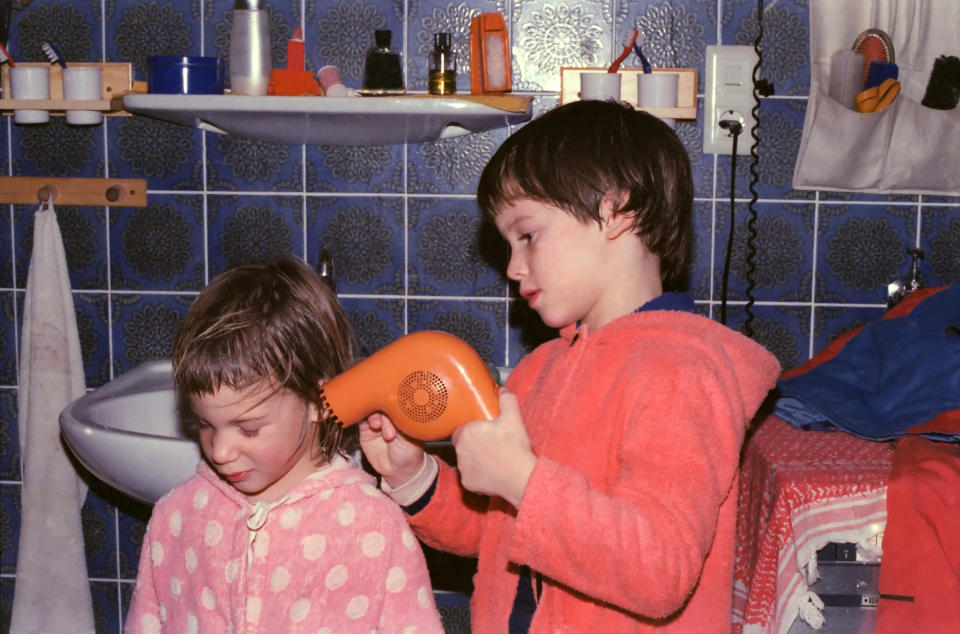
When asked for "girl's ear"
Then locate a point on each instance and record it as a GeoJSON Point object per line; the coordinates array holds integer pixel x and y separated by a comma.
{"type": "Point", "coordinates": [615, 222]}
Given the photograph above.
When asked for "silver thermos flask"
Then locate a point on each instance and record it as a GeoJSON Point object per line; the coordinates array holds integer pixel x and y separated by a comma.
{"type": "Point", "coordinates": [250, 59]}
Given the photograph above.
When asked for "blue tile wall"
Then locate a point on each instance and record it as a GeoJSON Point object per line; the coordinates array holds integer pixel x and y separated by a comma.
{"type": "Point", "coordinates": [401, 221]}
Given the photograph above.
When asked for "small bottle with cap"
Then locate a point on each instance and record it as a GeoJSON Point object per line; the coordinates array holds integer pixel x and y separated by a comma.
{"type": "Point", "coordinates": [383, 72]}
{"type": "Point", "coordinates": [443, 66]}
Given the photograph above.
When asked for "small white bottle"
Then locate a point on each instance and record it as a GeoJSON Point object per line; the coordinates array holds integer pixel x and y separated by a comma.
{"type": "Point", "coordinates": [250, 59]}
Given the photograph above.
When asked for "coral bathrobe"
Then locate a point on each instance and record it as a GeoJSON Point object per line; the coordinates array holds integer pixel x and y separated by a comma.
{"type": "Point", "coordinates": [334, 555]}
{"type": "Point", "coordinates": [629, 514]}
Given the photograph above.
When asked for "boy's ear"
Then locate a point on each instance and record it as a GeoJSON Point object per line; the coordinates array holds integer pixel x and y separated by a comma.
{"type": "Point", "coordinates": [615, 224]}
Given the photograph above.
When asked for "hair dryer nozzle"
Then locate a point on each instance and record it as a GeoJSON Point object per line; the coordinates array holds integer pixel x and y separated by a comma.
{"type": "Point", "coordinates": [428, 383]}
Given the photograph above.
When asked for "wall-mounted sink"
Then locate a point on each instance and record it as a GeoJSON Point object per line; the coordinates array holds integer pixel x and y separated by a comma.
{"type": "Point", "coordinates": [128, 433]}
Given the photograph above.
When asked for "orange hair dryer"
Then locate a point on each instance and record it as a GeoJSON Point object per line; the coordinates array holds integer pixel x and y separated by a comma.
{"type": "Point", "coordinates": [428, 383]}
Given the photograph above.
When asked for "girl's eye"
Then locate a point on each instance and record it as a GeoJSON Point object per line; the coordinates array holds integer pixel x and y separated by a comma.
{"type": "Point", "coordinates": [250, 433]}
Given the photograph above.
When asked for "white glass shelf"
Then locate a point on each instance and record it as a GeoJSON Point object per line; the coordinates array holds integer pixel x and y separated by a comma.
{"type": "Point", "coordinates": [336, 120]}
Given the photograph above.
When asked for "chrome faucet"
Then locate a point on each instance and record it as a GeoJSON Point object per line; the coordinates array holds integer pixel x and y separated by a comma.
{"type": "Point", "coordinates": [903, 286]}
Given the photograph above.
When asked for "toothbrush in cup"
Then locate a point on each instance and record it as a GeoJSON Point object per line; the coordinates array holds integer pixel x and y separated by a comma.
{"type": "Point", "coordinates": [53, 54]}
{"type": "Point", "coordinates": [627, 47]}
{"type": "Point", "coordinates": [638, 40]}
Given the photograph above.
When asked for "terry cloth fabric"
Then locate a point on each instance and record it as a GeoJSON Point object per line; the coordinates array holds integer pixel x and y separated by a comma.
{"type": "Point", "coordinates": [334, 555]}
{"type": "Point", "coordinates": [920, 570]}
{"type": "Point", "coordinates": [52, 592]}
{"type": "Point", "coordinates": [629, 514]}
{"type": "Point", "coordinates": [894, 377]}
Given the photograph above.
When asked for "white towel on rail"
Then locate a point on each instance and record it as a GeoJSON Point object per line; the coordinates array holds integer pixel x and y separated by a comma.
{"type": "Point", "coordinates": [52, 591]}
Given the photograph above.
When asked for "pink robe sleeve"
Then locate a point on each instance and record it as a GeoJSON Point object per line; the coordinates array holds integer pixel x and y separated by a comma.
{"type": "Point", "coordinates": [144, 612]}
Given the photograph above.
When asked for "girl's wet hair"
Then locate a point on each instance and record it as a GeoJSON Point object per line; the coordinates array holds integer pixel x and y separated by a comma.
{"type": "Point", "coordinates": [268, 323]}
{"type": "Point", "coordinates": [572, 156]}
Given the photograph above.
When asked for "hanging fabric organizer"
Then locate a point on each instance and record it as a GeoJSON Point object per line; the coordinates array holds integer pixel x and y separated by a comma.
{"type": "Point", "coordinates": [906, 148]}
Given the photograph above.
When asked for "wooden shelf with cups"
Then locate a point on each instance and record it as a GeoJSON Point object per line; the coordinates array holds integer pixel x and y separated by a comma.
{"type": "Point", "coordinates": [684, 112]}
{"type": "Point", "coordinates": [117, 80]}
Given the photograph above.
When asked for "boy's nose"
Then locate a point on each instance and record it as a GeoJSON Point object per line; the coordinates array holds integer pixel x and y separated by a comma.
{"type": "Point", "coordinates": [516, 267]}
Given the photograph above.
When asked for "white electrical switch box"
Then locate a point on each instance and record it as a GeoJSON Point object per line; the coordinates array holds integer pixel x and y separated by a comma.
{"type": "Point", "coordinates": [729, 97]}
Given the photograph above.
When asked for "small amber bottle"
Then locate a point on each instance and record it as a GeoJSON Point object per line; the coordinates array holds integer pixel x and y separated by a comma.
{"type": "Point", "coordinates": [443, 66]}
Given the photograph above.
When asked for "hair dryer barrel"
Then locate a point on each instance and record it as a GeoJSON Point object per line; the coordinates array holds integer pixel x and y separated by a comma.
{"type": "Point", "coordinates": [428, 383]}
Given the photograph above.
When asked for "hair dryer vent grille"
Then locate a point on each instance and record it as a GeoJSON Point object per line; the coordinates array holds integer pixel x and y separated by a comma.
{"type": "Point", "coordinates": [422, 396]}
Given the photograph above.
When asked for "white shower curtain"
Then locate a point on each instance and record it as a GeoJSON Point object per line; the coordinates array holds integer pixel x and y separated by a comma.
{"type": "Point", "coordinates": [52, 591]}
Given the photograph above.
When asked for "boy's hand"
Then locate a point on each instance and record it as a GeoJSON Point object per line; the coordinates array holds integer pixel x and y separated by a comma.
{"type": "Point", "coordinates": [494, 457]}
{"type": "Point", "coordinates": [396, 457]}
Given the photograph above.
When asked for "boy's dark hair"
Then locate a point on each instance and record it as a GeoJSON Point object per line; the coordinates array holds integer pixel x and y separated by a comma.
{"type": "Point", "coordinates": [573, 155]}
{"type": "Point", "coordinates": [257, 323]}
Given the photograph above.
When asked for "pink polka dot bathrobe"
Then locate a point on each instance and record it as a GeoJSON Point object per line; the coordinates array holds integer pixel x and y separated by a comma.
{"type": "Point", "coordinates": [334, 555]}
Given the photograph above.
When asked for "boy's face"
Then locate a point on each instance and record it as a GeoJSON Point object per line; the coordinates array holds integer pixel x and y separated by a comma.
{"type": "Point", "coordinates": [559, 262]}
{"type": "Point", "coordinates": [258, 439]}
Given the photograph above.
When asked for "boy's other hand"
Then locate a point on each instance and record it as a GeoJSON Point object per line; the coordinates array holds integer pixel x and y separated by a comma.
{"type": "Point", "coordinates": [494, 457]}
{"type": "Point", "coordinates": [395, 456]}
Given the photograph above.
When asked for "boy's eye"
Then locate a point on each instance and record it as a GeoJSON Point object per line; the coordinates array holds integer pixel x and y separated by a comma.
{"type": "Point", "coordinates": [526, 237]}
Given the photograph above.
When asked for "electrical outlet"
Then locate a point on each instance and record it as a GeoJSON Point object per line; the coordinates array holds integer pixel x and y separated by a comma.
{"type": "Point", "coordinates": [729, 97]}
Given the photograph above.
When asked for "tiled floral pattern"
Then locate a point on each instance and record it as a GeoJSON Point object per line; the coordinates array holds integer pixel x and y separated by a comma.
{"type": "Point", "coordinates": [400, 221]}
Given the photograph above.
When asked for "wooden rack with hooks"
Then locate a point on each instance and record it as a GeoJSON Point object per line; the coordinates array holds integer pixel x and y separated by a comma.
{"type": "Point", "coordinates": [93, 192]}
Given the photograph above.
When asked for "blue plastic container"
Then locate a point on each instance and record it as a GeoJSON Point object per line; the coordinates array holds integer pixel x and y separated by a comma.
{"type": "Point", "coordinates": [189, 75]}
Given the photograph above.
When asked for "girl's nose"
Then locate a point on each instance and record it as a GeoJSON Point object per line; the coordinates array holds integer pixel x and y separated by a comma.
{"type": "Point", "coordinates": [222, 450]}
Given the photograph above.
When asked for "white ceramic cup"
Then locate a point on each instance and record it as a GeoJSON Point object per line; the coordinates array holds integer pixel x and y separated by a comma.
{"type": "Point", "coordinates": [30, 82]}
{"type": "Point", "coordinates": [600, 86]}
{"type": "Point", "coordinates": [79, 83]}
{"type": "Point", "coordinates": [658, 90]}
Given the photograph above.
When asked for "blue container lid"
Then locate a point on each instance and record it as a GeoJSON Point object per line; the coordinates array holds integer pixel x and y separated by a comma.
{"type": "Point", "coordinates": [184, 60]}
{"type": "Point", "coordinates": [185, 75]}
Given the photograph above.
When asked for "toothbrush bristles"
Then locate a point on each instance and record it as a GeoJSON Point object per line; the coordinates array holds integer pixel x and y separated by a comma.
{"type": "Point", "coordinates": [53, 54]}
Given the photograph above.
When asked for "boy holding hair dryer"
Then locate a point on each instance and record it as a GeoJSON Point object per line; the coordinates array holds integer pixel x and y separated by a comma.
{"type": "Point", "coordinates": [602, 499]}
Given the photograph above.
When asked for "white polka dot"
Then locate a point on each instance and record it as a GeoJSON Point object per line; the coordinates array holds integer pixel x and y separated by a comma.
{"type": "Point", "coordinates": [201, 498]}
{"type": "Point", "coordinates": [408, 540]}
{"type": "Point", "coordinates": [175, 587]}
{"type": "Point", "coordinates": [261, 547]}
{"type": "Point", "coordinates": [325, 494]}
{"type": "Point", "coordinates": [423, 596]}
{"type": "Point", "coordinates": [280, 579]}
{"type": "Point", "coordinates": [396, 580]}
{"type": "Point", "coordinates": [253, 609]}
{"type": "Point", "coordinates": [324, 630]}
{"type": "Point", "coordinates": [357, 607]}
{"type": "Point", "coordinates": [207, 599]}
{"type": "Point", "coordinates": [176, 523]}
{"type": "Point", "coordinates": [163, 613]}
{"type": "Point", "coordinates": [290, 518]}
{"type": "Point", "coordinates": [299, 610]}
{"type": "Point", "coordinates": [370, 490]}
{"type": "Point", "coordinates": [156, 553]}
{"type": "Point", "coordinates": [313, 547]}
{"type": "Point", "coordinates": [411, 629]}
{"type": "Point", "coordinates": [191, 558]}
{"type": "Point", "coordinates": [192, 625]}
{"type": "Point", "coordinates": [213, 534]}
{"type": "Point", "coordinates": [373, 544]}
{"type": "Point", "coordinates": [232, 570]}
{"type": "Point", "coordinates": [336, 577]}
{"type": "Point", "coordinates": [150, 624]}
{"type": "Point", "coordinates": [346, 514]}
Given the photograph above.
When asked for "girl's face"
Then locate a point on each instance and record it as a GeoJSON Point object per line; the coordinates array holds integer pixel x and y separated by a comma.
{"type": "Point", "coordinates": [558, 261]}
{"type": "Point", "coordinates": [258, 439]}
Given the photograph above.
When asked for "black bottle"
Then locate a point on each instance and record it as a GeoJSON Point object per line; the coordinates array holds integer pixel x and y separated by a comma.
{"type": "Point", "coordinates": [383, 72]}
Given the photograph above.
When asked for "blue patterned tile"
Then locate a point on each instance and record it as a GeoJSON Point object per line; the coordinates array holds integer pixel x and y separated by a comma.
{"type": "Point", "coordinates": [365, 237]}
{"type": "Point", "coordinates": [6, 602]}
{"type": "Point", "coordinates": [239, 164]}
{"type": "Point", "coordinates": [434, 16]}
{"type": "Point", "coordinates": [376, 322]}
{"type": "Point", "coordinates": [99, 536]}
{"type": "Point", "coordinates": [22, 236]}
{"type": "Point", "coordinates": [57, 149]}
{"type": "Point", "coordinates": [833, 321]}
{"type": "Point", "coordinates": [481, 324]}
{"type": "Point", "coordinates": [941, 245]}
{"type": "Point", "coordinates": [861, 248]}
{"type": "Point", "coordinates": [91, 311]}
{"type": "Point", "coordinates": [673, 35]}
{"type": "Point", "coordinates": [158, 247]}
{"type": "Point", "coordinates": [249, 228]}
{"type": "Point", "coordinates": [131, 529]}
{"type": "Point", "coordinates": [785, 46]}
{"type": "Point", "coordinates": [702, 257]}
{"type": "Point", "coordinates": [106, 608]}
{"type": "Point", "coordinates": [144, 327]}
{"type": "Point", "coordinates": [780, 131]}
{"type": "Point", "coordinates": [138, 30]}
{"type": "Point", "coordinates": [362, 169]}
{"type": "Point", "coordinates": [9, 336]}
{"type": "Point", "coordinates": [780, 329]}
{"type": "Point", "coordinates": [72, 27]}
{"type": "Point", "coordinates": [126, 593]}
{"type": "Point", "coordinates": [783, 250]}
{"type": "Point", "coordinates": [446, 256]}
{"type": "Point", "coordinates": [169, 155]}
{"type": "Point", "coordinates": [701, 165]}
{"type": "Point", "coordinates": [452, 166]}
{"type": "Point", "coordinates": [549, 35]}
{"type": "Point", "coordinates": [9, 436]}
{"type": "Point", "coordinates": [9, 527]}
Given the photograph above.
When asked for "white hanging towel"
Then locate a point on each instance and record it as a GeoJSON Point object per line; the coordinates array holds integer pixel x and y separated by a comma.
{"type": "Point", "coordinates": [52, 591]}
